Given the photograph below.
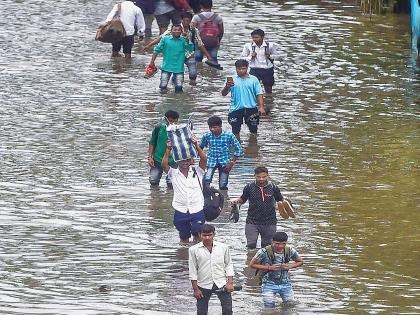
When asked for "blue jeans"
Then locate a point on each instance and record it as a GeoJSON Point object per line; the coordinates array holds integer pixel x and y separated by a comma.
{"type": "Point", "coordinates": [188, 223]}
{"type": "Point", "coordinates": [178, 80]}
{"type": "Point", "coordinates": [192, 67]}
{"type": "Point", "coordinates": [156, 174]}
{"type": "Point", "coordinates": [223, 176]}
{"type": "Point", "coordinates": [269, 290]}
{"type": "Point", "coordinates": [212, 51]}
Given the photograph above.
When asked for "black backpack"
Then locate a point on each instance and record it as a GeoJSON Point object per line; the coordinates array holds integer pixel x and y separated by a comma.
{"type": "Point", "coordinates": [213, 200]}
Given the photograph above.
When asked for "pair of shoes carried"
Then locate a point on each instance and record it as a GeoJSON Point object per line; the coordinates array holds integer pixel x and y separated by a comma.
{"type": "Point", "coordinates": [150, 72]}
{"type": "Point", "coordinates": [214, 65]}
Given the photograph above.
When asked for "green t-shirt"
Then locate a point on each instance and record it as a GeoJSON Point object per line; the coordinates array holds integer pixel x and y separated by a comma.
{"type": "Point", "coordinates": [158, 139]}
{"type": "Point", "coordinates": [173, 50]}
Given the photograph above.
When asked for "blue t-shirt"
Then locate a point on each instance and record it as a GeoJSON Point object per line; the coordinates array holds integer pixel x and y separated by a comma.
{"type": "Point", "coordinates": [244, 93]}
{"type": "Point", "coordinates": [279, 276]}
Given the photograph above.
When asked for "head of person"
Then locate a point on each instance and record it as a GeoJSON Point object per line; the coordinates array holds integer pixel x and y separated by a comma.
{"type": "Point", "coordinates": [241, 66]}
{"type": "Point", "coordinates": [206, 4]}
{"type": "Point", "coordinates": [261, 175]}
{"type": "Point", "coordinates": [176, 30]}
{"type": "Point", "coordinates": [186, 18]}
{"type": "Point", "coordinates": [185, 164]}
{"type": "Point", "coordinates": [257, 36]}
{"type": "Point", "coordinates": [207, 233]}
{"type": "Point", "coordinates": [172, 117]}
{"type": "Point", "coordinates": [279, 241]}
{"type": "Point", "coordinates": [215, 125]}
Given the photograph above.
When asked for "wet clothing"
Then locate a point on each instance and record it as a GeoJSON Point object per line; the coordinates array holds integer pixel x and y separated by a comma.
{"type": "Point", "coordinates": [219, 147]}
{"type": "Point", "coordinates": [193, 35]}
{"type": "Point", "coordinates": [249, 116]}
{"type": "Point", "coordinates": [188, 196]}
{"type": "Point", "coordinates": [158, 139]}
{"type": "Point", "coordinates": [244, 93]}
{"type": "Point", "coordinates": [188, 224]}
{"type": "Point", "coordinates": [173, 50]}
{"type": "Point", "coordinates": [260, 61]}
{"type": "Point", "coordinates": [278, 276]}
{"type": "Point", "coordinates": [269, 291]}
{"type": "Point", "coordinates": [165, 13]}
{"type": "Point", "coordinates": [265, 231]}
{"type": "Point", "coordinates": [211, 270]}
{"type": "Point", "coordinates": [262, 203]}
{"type": "Point", "coordinates": [131, 16]}
{"type": "Point", "coordinates": [225, 299]}
{"type": "Point", "coordinates": [126, 43]}
{"type": "Point", "coordinates": [266, 76]}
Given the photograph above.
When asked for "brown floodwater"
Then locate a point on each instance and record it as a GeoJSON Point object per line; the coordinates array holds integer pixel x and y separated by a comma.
{"type": "Point", "coordinates": [76, 209]}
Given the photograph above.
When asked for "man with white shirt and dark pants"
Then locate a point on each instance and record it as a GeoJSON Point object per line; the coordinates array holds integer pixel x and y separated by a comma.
{"type": "Point", "coordinates": [188, 200]}
{"type": "Point", "coordinates": [211, 271]}
{"type": "Point", "coordinates": [261, 55]}
{"type": "Point", "coordinates": [131, 16]}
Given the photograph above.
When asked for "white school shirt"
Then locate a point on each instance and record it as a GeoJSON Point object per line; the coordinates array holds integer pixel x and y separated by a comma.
{"type": "Point", "coordinates": [188, 196]}
{"type": "Point", "coordinates": [208, 268]}
{"type": "Point", "coordinates": [260, 61]}
{"type": "Point", "coordinates": [131, 15]}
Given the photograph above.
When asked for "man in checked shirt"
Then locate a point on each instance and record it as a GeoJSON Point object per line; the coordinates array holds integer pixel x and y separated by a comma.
{"type": "Point", "coordinates": [219, 143]}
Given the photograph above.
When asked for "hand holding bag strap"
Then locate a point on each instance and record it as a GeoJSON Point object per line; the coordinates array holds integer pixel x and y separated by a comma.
{"type": "Point", "coordinates": [198, 178]}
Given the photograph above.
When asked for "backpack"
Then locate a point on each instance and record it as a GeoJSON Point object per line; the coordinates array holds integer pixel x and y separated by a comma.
{"type": "Point", "coordinates": [266, 50]}
{"type": "Point", "coordinates": [112, 31]}
{"type": "Point", "coordinates": [209, 31]}
{"type": "Point", "coordinates": [259, 274]}
{"type": "Point", "coordinates": [213, 200]}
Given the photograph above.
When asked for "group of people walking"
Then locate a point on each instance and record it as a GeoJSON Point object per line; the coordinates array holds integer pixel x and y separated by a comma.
{"type": "Point", "coordinates": [186, 42]}
{"type": "Point", "coordinates": [210, 264]}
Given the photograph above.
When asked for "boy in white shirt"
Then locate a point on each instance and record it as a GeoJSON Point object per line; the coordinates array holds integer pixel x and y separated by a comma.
{"type": "Point", "coordinates": [261, 55]}
{"type": "Point", "coordinates": [188, 200]}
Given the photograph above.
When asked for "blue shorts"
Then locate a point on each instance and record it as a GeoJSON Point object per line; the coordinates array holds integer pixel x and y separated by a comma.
{"type": "Point", "coordinates": [269, 291]}
{"type": "Point", "coordinates": [188, 223]}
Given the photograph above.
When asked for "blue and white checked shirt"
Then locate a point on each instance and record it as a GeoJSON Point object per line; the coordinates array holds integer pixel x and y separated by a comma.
{"type": "Point", "coordinates": [219, 147]}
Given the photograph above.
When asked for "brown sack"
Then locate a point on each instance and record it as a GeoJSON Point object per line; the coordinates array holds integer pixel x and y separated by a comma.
{"type": "Point", "coordinates": [113, 31]}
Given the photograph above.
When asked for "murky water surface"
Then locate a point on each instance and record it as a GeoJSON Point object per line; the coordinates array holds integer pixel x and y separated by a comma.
{"type": "Point", "coordinates": [76, 210]}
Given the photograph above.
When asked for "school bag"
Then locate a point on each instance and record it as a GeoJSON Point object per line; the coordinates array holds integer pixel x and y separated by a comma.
{"type": "Point", "coordinates": [266, 50]}
{"type": "Point", "coordinates": [112, 31]}
{"type": "Point", "coordinates": [213, 200]}
{"type": "Point", "coordinates": [259, 274]}
{"type": "Point", "coordinates": [209, 31]}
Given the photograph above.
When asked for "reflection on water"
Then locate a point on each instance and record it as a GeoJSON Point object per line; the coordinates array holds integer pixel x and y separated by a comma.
{"type": "Point", "coordinates": [341, 140]}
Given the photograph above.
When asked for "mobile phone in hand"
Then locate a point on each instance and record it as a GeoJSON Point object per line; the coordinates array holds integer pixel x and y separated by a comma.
{"type": "Point", "coordinates": [229, 79]}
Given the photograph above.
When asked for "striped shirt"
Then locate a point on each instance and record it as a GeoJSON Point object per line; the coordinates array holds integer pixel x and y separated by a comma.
{"type": "Point", "coordinates": [219, 147]}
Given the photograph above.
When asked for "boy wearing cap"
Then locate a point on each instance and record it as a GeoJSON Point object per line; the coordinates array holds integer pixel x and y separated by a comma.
{"type": "Point", "coordinates": [276, 262]}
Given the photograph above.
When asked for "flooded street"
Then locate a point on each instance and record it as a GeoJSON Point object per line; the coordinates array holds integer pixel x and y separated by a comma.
{"type": "Point", "coordinates": [76, 208]}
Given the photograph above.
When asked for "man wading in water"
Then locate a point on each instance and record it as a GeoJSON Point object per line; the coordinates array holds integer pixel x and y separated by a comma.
{"type": "Point", "coordinates": [211, 271]}
{"type": "Point", "coordinates": [188, 200]}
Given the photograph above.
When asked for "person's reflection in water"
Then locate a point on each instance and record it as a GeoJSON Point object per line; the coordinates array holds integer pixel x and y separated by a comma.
{"type": "Point", "coordinates": [252, 149]}
{"type": "Point", "coordinates": [120, 65]}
